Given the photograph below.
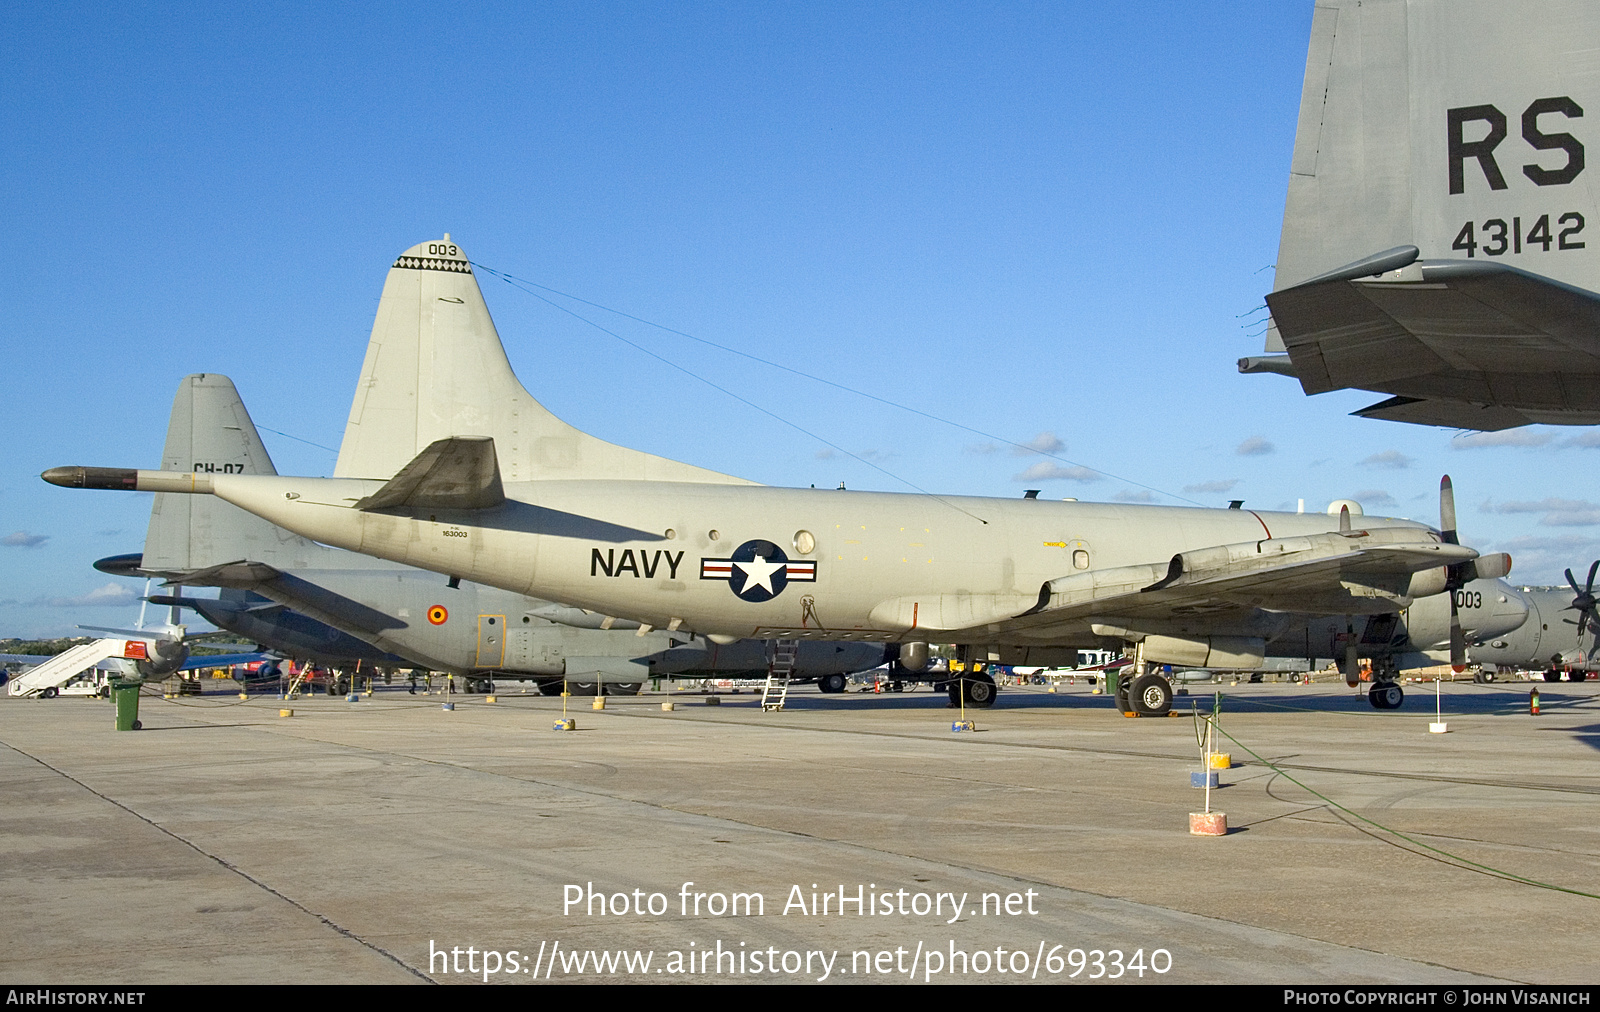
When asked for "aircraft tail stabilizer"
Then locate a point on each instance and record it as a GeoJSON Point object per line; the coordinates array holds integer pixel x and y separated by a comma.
{"type": "Point", "coordinates": [1456, 127]}
{"type": "Point", "coordinates": [210, 432]}
{"type": "Point", "coordinates": [435, 369]}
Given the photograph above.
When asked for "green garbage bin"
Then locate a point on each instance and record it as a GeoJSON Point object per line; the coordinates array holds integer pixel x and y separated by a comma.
{"type": "Point", "coordinates": [125, 692]}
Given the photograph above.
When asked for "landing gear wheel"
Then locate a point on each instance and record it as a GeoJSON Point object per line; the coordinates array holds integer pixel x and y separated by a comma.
{"type": "Point", "coordinates": [979, 689]}
{"type": "Point", "coordinates": [1151, 694]}
{"type": "Point", "coordinates": [1577, 676]}
{"type": "Point", "coordinates": [623, 688]}
{"type": "Point", "coordinates": [1552, 675]}
{"type": "Point", "coordinates": [831, 683]}
{"type": "Point", "coordinates": [549, 688]}
{"type": "Point", "coordinates": [1124, 704]}
{"type": "Point", "coordinates": [582, 688]}
{"type": "Point", "coordinates": [1386, 696]}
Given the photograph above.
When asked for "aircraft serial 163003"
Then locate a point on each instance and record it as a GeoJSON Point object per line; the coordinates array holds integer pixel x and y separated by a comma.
{"type": "Point", "coordinates": [506, 494]}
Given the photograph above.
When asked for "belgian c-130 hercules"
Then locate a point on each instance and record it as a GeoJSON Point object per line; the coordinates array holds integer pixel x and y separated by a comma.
{"type": "Point", "coordinates": [506, 494]}
{"type": "Point", "coordinates": [309, 600]}
{"type": "Point", "coordinates": [1435, 244]}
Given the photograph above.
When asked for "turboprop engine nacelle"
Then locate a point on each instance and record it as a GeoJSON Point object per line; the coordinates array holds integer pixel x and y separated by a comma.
{"type": "Point", "coordinates": [163, 657]}
{"type": "Point", "coordinates": [914, 656]}
{"type": "Point", "coordinates": [1206, 651]}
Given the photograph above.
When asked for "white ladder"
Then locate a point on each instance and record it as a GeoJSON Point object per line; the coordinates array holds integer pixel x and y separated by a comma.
{"type": "Point", "coordinates": [779, 671]}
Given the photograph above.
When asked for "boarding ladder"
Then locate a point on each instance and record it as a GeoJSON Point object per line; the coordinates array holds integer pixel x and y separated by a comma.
{"type": "Point", "coordinates": [779, 672]}
{"type": "Point", "coordinates": [63, 667]}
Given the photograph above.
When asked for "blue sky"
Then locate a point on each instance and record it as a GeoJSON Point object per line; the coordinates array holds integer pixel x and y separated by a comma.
{"type": "Point", "coordinates": [1047, 222]}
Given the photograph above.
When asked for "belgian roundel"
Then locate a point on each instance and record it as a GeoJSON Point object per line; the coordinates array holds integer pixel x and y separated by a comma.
{"type": "Point", "coordinates": [437, 614]}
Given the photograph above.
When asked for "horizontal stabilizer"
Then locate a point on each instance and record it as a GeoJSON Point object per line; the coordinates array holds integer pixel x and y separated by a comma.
{"type": "Point", "coordinates": [1449, 414]}
{"type": "Point", "coordinates": [456, 473]}
{"type": "Point", "coordinates": [1449, 331]}
{"type": "Point", "coordinates": [228, 574]}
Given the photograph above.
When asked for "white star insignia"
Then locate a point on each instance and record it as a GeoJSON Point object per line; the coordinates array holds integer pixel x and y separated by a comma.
{"type": "Point", "coordinates": [759, 573]}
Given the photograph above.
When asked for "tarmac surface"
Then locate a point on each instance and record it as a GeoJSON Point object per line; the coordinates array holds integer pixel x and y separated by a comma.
{"type": "Point", "coordinates": [353, 842]}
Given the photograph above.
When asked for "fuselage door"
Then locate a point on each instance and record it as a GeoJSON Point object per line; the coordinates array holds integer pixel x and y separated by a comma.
{"type": "Point", "coordinates": [491, 641]}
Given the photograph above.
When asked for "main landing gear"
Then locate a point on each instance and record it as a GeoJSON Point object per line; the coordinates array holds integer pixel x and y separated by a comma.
{"type": "Point", "coordinates": [832, 683]}
{"type": "Point", "coordinates": [977, 687]}
{"type": "Point", "coordinates": [1143, 692]}
{"type": "Point", "coordinates": [1386, 696]}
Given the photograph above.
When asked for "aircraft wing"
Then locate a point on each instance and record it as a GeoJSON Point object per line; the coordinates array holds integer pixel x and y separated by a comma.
{"type": "Point", "coordinates": [1470, 344]}
{"type": "Point", "coordinates": [1336, 573]}
{"type": "Point", "coordinates": [24, 658]}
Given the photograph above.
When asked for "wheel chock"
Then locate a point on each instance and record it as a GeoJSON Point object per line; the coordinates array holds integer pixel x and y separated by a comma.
{"type": "Point", "coordinates": [1208, 823]}
{"type": "Point", "coordinates": [565, 724]}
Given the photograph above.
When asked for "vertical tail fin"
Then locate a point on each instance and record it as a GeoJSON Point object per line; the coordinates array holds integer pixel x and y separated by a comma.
{"type": "Point", "coordinates": [210, 431]}
{"type": "Point", "coordinates": [435, 368]}
{"type": "Point", "coordinates": [1457, 127]}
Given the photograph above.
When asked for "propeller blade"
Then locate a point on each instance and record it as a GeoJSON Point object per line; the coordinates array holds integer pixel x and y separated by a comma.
{"type": "Point", "coordinates": [1589, 588]}
{"type": "Point", "coordinates": [1573, 583]}
{"type": "Point", "coordinates": [1458, 641]}
{"type": "Point", "coordinates": [1447, 511]}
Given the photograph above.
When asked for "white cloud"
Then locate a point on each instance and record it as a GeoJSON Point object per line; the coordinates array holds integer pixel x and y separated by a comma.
{"type": "Point", "coordinates": [1542, 560]}
{"type": "Point", "coordinates": [109, 595]}
{"type": "Point", "coordinates": [1044, 470]}
{"type": "Point", "coordinates": [22, 539]}
{"type": "Point", "coordinates": [1373, 497]}
{"type": "Point", "coordinates": [1505, 437]}
{"type": "Point", "coordinates": [1217, 485]}
{"type": "Point", "coordinates": [1588, 440]}
{"type": "Point", "coordinates": [1388, 458]}
{"type": "Point", "coordinates": [1557, 512]}
{"type": "Point", "coordinates": [981, 448]}
{"type": "Point", "coordinates": [1255, 446]}
{"type": "Point", "coordinates": [826, 453]}
{"type": "Point", "coordinates": [1044, 442]}
{"type": "Point", "coordinates": [1135, 495]}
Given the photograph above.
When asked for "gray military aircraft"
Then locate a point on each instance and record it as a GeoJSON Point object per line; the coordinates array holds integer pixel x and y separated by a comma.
{"type": "Point", "coordinates": [506, 494]}
{"type": "Point", "coordinates": [1434, 242]}
{"type": "Point", "coordinates": [1549, 639]}
{"type": "Point", "coordinates": [309, 600]}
